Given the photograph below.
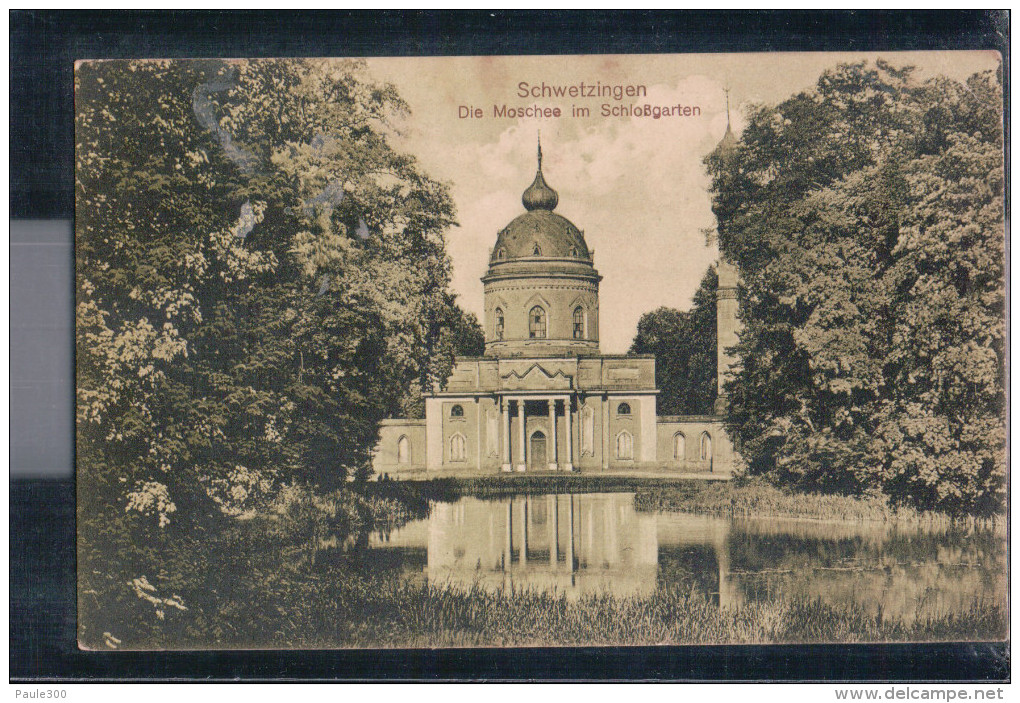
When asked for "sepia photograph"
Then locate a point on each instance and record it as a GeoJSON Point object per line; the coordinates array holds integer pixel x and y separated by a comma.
{"type": "Point", "coordinates": [558, 351]}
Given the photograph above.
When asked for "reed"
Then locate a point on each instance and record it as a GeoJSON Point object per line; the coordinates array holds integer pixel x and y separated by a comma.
{"type": "Point", "coordinates": [345, 610]}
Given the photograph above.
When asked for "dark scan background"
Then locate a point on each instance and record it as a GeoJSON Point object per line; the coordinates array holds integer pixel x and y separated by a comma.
{"type": "Point", "coordinates": [43, 48]}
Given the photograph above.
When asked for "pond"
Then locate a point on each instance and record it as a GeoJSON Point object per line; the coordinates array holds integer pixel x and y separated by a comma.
{"type": "Point", "coordinates": [576, 544]}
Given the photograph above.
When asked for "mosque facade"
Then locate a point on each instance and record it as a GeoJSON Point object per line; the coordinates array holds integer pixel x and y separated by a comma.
{"type": "Point", "coordinates": [543, 398]}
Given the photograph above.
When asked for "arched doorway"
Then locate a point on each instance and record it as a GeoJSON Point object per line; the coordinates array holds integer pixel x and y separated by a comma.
{"type": "Point", "coordinates": [536, 453]}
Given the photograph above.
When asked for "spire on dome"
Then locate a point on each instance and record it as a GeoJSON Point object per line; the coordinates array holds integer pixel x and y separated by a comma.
{"type": "Point", "coordinates": [539, 196]}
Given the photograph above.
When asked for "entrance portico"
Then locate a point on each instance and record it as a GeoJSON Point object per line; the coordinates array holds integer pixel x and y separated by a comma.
{"type": "Point", "coordinates": [517, 446]}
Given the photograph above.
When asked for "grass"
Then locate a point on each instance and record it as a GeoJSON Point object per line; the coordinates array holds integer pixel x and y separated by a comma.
{"type": "Point", "coordinates": [445, 616]}
{"type": "Point", "coordinates": [346, 610]}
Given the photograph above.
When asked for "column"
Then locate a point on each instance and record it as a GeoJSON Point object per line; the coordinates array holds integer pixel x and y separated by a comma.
{"type": "Point", "coordinates": [648, 432]}
{"type": "Point", "coordinates": [434, 433]}
{"type": "Point", "coordinates": [568, 463]}
{"type": "Point", "coordinates": [552, 434]}
{"type": "Point", "coordinates": [478, 432]}
{"type": "Point", "coordinates": [605, 433]}
{"type": "Point", "coordinates": [504, 410]}
{"type": "Point", "coordinates": [521, 456]}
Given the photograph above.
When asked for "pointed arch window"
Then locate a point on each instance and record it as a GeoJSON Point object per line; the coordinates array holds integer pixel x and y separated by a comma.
{"type": "Point", "coordinates": [679, 446]}
{"type": "Point", "coordinates": [403, 450]}
{"type": "Point", "coordinates": [578, 322]}
{"type": "Point", "coordinates": [624, 445]}
{"type": "Point", "coordinates": [500, 253]}
{"type": "Point", "coordinates": [536, 323]}
{"type": "Point", "coordinates": [706, 446]}
{"type": "Point", "coordinates": [574, 252]}
{"type": "Point", "coordinates": [537, 251]}
{"type": "Point", "coordinates": [499, 324]}
{"type": "Point", "coordinates": [458, 447]}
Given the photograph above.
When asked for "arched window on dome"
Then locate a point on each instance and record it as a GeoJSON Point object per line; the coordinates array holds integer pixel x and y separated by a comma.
{"type": "Point", "coordinates": [536, 322]}
{"type": "Point", "coordinates": [499, 324]}
{"type": "Point", "coordinates": [537, 251]}
{"type": "Point", "coordinates": [578, 322]}
{"type": "Point", "coordinates": [500, 253]}
{"type": "Point", "coordinates": [574, 252]}
{"type": "Point", "coordinates": [457, 411]}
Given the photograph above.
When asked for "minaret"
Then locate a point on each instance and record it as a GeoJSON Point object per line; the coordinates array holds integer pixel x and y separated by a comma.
{"type": "Point", "coordinates": [727, 327]}
{"type": "Point", "coordinates": [726, 322]}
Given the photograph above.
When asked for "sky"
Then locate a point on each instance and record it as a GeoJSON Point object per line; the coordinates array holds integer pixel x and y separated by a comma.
{"type": "Point", "coordinates": [636, 186]}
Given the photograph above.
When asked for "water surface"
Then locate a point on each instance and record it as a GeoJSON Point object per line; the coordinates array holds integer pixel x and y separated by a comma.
{"type": "Point", "coordinates": [598, 542]}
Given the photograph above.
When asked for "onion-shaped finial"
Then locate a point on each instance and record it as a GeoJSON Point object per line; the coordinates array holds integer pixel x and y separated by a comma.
{"type": "Point", "coordinates": [539, 196]}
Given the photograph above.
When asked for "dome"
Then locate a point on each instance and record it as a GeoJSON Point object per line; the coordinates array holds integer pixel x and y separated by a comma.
{"type": "Point", "coordinates": [540, 232]}
{"type": "Point", "coordinates": [541, 288]}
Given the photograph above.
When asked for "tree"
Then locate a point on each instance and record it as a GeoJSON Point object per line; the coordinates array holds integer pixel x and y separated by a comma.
{"type": "Point", "coordinates": [468, 339]}
{"type": "Point", "coordinates": [458, 334]}
{"type": "Point", "coordinates": [866, 217]}
{"type": "Point", "coordinates": [260, 279]}
{"type": "Point", "coordinates": [684, 345]}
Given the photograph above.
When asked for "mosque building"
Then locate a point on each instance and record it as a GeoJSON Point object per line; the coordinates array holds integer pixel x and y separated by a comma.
{"type": "Point", "coordinates": [543, 398]}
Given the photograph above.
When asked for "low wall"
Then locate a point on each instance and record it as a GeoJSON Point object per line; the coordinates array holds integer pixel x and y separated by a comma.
{"type": "Point", "coordinates": [681, 444]}
{"type": "Point", "coordinates": [388, 459]}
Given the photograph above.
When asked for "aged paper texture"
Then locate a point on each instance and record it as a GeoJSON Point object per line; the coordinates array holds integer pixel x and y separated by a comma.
{"type": "Point", "coordinates": [511, 351]}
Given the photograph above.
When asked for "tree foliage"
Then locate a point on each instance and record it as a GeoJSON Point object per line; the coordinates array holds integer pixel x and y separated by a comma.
{"type": "Point", "coordinates": [261, 278]}
{"type": "Point", "coordinates": [866, 217]}
{"type": "Point", "coordinates": [684, 345]}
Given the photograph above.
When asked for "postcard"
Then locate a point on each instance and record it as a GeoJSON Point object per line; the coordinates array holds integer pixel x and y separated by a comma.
{"type": "Point", "coordinates": [540, 351]}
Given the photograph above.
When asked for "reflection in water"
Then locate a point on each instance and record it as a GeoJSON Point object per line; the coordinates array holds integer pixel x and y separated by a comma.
{"type": "Point", "coordinates": [590, 543]}
{"type": "Point", "coordinates": [571, 544]}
